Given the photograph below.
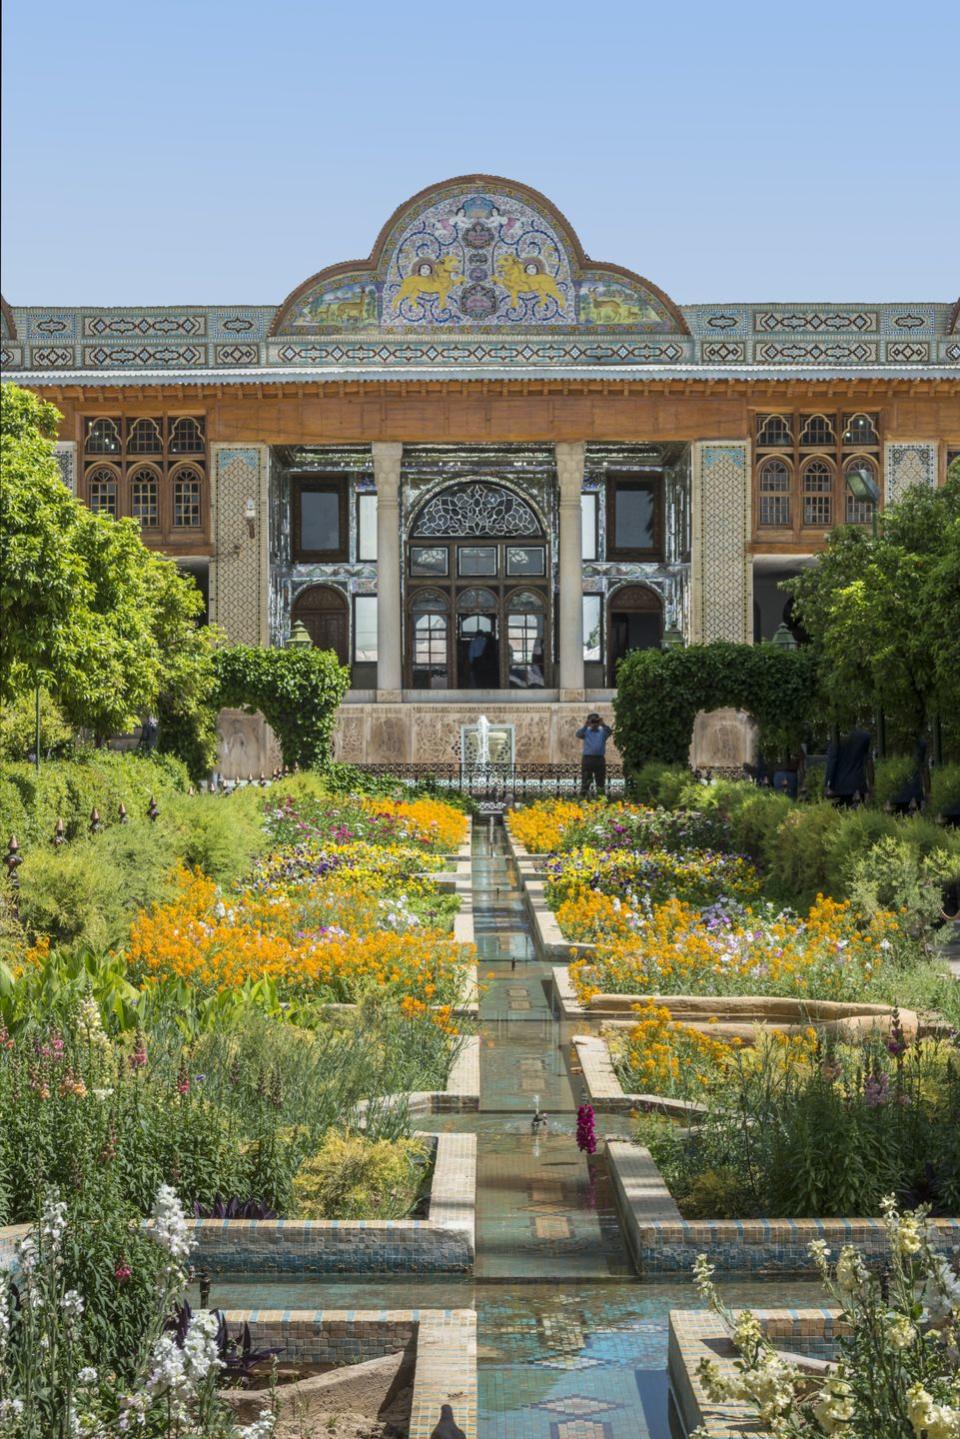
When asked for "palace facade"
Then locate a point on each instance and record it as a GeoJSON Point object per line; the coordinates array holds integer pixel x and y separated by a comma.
{"type": "Point", "coordinates": [483, 467]}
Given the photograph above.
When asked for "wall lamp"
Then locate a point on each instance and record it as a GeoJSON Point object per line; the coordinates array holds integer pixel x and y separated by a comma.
{"type": "Point", "coordinates": [250, 515]}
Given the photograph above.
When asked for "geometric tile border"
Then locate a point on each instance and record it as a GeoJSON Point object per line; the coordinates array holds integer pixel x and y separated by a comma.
{"type": "Point", "coordinates": [442, 1243]}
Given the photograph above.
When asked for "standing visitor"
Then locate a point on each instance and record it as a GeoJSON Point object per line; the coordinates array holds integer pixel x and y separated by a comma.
{"type": "Point", "coordinates": [593, 764]}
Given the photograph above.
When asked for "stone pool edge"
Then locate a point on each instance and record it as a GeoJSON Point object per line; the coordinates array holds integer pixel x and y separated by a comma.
{"type": "Point", "coordinates": [443, 1243]}
{"type": "Point", "coordinates": [445, 1365]}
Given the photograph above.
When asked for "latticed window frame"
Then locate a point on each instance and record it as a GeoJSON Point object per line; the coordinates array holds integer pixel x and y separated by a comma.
{"type": "Point", "coordinates": [125, 442]}
{"type": "Point", "coordinates": [775, 504]}
{"type": "Point", "coordinates": [811, 510]}
{"type": "Point", "coordinates": [181, 477]}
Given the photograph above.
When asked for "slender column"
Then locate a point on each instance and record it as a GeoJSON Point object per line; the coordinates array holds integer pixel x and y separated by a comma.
{"type": "Point", "coordinates": [386, 470]}
{"type": "Point", "coordinates": [722, 569]}
{"type": "Point", "coordinates": [570, 476]}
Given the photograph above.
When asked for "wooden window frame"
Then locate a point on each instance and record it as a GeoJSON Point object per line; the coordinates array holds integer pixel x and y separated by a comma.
{"type": "Point", "coordinates": [798, 457]}
{"type": "Point", "coordinates": [652, 482]}
{"type": "Point", "coordinates": [319, 484]}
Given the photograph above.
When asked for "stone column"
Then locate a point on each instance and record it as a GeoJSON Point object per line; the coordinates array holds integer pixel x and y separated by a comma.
{"type": "Point", "coordinates": [386, 470]}
{"type": "Point", "coordinates": [570, 478]}
{"type": "Point", "coordinates": [721, 606]}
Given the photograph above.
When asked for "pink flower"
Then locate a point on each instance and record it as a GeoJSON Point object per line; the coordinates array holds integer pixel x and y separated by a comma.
{"type": "Point", "coordinates": [122, 1272]}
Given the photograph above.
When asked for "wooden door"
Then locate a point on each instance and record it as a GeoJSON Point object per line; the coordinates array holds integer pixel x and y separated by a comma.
{"type": "Point", "coordinates": [323, 610]}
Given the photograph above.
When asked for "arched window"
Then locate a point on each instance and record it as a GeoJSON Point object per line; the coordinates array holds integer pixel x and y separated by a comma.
{"type": "Point", "coordinates": [773, 432]}
{"type": "Point", "coordinates": [476, 601]}
{"type": "Point", "coordinates": [102, 483]}
{"type": "Point", "coordinates": [859, 512]}
{"type": "Point", "coordinates": [635, 623]}
{"type": "Point", "coordinates": [186, 436]}
{"type": "Point", "coordinates": [145, 496]}
{"type": "Point", "coordinates": [429, 640]}
{"type": "Point", "coordinates": [817, 493]}
{"type": "Point", "coordinates": [861, 430]}
{"type": "Point", "coordinates": [103, 437]}
{"type": "Point", "coordinates": [187, 498]}
{"type": "Point", "coordinates": [145, 438]}
{"type": "Point", "coordinates": [817, 432]}
{"type": "Point", "coordinates": [775, 484]}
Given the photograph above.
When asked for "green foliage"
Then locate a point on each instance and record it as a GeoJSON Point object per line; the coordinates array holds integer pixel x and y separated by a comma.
{"type": "Point", "coordinates": [895, 875]}
{"type": "Point", "coordinates": [884, 614]}
{"type": "Point", "coordinates": [891, 775]}
{"type": "Point", "coordinates": [945, 788]}
{"type": "Point", "coordinates": [31, 800]}
{"type": "Point", "coordinates": [659, 693]}
{"type": "Point", "coordinates": [18, 727]}
{"type": "Point", "coordinates": [353, 1177]}
{"type": "Point", "coordinates": [108, 626]}
{"type": "Point", "coordinates": [297, 691]}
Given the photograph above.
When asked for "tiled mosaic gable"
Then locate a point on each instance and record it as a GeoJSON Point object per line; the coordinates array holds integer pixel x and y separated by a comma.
{"type": "Point", "coordinates": [721, 571]}
{"type": "Point", "coordinates": [906, 464]}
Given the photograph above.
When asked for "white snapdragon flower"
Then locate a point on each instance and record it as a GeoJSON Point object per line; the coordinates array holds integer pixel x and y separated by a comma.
{"type": "Point", "coordinates": [261, 1428]}
{"type": "Point", "coordinates": [169, 1228]}
{"type": "Point", "coordinates": [87, 1376]}
{"type": "Point", "coordinates": [53, 1221]}
{"type": "Point", "coordinates": [931, 1420]}
{"type": "Point", "coordinates": [941, 1293]}
{"type": "Point", "coordinates": [71, 1305]}
{"type": "Point", "coordinates": [900, 1332]}
{"type": "Point", "coordinates": [852, 1273]}
{"type": "Point", "coordinates": [200, 1345]}
{"type": "Point", "coordinates": [835, 1405]}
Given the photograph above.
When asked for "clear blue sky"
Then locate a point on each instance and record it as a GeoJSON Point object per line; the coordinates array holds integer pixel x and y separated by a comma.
{"type": "Point", "coordinates": [162, 151]}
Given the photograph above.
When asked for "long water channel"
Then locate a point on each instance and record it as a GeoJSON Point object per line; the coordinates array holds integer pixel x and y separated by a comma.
{"type": "Point", "coordinates": [571, 1344]}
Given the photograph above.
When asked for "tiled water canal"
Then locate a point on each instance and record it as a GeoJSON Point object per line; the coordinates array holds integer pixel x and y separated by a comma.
{"type": "Point", "coordinates": [571, 1344]}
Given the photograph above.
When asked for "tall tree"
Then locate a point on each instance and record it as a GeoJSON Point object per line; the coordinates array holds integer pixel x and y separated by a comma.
{"type": "Point", "coordinates": [884, 613]}
{"type": "Point", "coordinates": [109, 627]}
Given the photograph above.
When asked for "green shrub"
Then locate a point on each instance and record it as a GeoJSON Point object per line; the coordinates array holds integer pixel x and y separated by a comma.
{"type": "Point", "coordinates": [944, 788]}
{"type": "Point", "coordinates": [297, 691]}
{"type": "Point", "coordinates": [71, 896]}
{"type": "Point", "coordinates": [890, 777]}
{"type": "Point", "coordinates": [218, 835]}
{"type": "Point", "coordinates": [18, 727]}
{"type": "Point", "coordinates": [659, 693]}
{"type": "Point", "coordinates": [352, 1177]}
{"type": "Point", "coordinates": [32, 800]}
{"type": "Point", "coordinates": [895, 875]}
{"type": "Point", "coordinates": [756, 820]}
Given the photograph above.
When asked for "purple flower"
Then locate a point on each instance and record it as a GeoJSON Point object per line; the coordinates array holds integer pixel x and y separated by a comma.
{"type": "Point", "coordinates": [876, 1091]}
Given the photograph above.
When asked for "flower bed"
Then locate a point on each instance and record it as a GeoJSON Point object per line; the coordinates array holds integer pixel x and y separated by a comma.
{"type": "Point", "coordinates": [558, 826]}
{"type": "Point", "coordinates": [637, 879]}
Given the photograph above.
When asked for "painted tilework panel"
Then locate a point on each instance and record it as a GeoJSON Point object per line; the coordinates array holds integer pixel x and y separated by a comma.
{"type": "Point", "coordinates": [906, 464]}
{"type": "Point", "coordinates": [65, 454]}
{"type": "Point", "coordinates": [238, 590]}
{"type": "Point", "coordinates": [721, 528]}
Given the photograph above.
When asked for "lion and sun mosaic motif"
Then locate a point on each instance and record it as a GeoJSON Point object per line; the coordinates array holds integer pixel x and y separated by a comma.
{"type": "Point", "coordinates": [478, 258]}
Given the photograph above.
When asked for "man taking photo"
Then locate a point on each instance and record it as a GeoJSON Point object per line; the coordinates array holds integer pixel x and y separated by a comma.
{"type": "Point", "coordinates": [593, 764]}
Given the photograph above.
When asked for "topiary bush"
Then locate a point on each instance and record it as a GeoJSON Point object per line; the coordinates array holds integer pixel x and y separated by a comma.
{"type": "Point", "coordinates": [297, 691]}
{"type": "Point", "coordinates": [945, 788]}
{"type": "Point", "coordinates": [659, 693]}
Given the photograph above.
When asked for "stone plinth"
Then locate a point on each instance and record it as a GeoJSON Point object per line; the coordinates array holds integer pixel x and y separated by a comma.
{"type": "Point", "coordinates": [247, 745]}
{"type": "Point", "coordinates": [723, 739]}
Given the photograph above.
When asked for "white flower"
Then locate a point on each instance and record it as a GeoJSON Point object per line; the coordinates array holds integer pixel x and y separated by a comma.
{"type": "Point", "coordinates": [261, 1428]}
{"type": "Point", "coordinates": [941, 1294]}
{"type": "Point", "coordinates": [169, 1228]}
{"type": "Point", "coordinates": [900, 1332]}
{"type": "Point", "coordinates": [835, 1405]}
{"type": "Point", "coordinates": [71, 1305]}
{"type": "Point", "coordinates": [931, 1420]}
{"type": "Point", "coordinates": [851, 1271]}
{"type": "Point", "coordinates": [87, 1375]}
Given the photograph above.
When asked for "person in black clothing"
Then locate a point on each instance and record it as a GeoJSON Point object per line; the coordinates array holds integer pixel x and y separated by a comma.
{"type": "Point", "coordinates": [849, 766]}
{"type": "Point", "coordinates": [593, 764]}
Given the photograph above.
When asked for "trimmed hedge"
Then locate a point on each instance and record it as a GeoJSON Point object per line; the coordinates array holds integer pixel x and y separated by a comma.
{"type": "Point", "coordinates": [31, 800]}
{"type": "Point", "coordinates": [659, 693]}
{"type": "Point", "coordinates": [297, 691]}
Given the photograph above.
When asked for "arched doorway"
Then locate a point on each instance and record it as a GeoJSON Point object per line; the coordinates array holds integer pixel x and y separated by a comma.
{"type": "Point", "coordinates": [478, 591]}
{"type": "Point", "coordinates": [323, 610]}
{"type": "Point", "coordinates": [635, 623]}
